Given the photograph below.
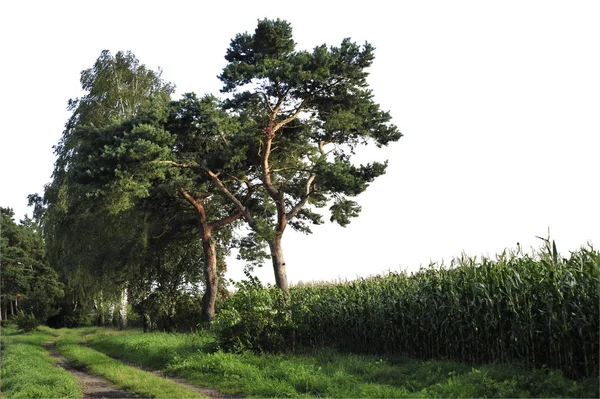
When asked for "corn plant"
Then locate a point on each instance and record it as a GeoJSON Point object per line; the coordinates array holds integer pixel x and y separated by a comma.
{"type": "Point", "coordinates": [539, 309]}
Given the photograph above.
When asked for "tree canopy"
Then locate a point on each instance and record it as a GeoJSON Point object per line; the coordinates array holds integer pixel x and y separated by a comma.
{"type": "Point", "coordinates": [139, 175]}
{"type": "Point", "coordinates": [27, 281]}
{"type": "Point", "coordinates": [307, 112]}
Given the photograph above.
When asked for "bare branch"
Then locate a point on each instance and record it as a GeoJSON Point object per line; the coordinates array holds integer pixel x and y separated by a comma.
{"type": "Point", "coordinates": [178, 165]}
{"type": "Point", "coordinates": [294, 211]}
{"type": "Point", "coordinates": [268, 104]}
{"type": "Point", "coordinates": [289, 119]}
{"type": "Point", "coordinates": [225, 221]}
{"type": "Point", "coordinates": [238, 204]}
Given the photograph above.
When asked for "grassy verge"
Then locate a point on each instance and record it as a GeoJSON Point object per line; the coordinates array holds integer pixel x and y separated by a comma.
{"type": "Point", "coordinates": [28, 370]}
{"type": "Point", "coordinates": [326, 373]}
{"type": "Point", "coordinates": [134, 380]}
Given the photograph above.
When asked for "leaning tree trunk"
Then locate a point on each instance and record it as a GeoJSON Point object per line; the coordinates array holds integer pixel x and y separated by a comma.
{"type": "Point", "coordinates": [210, 253]}
{"type": "Point", "coordinates": [210, 274]}
{"type": "Point", "coordinates": [279, 267]}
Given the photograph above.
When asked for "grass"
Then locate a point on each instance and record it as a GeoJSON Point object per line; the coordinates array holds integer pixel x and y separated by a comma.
{"type": "Point", "coordinates": [134, 380]}
{"type": "Point", "coordinates": [327, 373]}
{"type": "Point", "coordinates": [28, 370]}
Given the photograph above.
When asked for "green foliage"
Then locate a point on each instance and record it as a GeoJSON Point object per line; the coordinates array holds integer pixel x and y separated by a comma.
{"type": "Point", "coordinates": [329, 373]}
{"type": "Point", "coordinates": [254, 318]}
{"type": "Point", "coordinates": [68, 317]}
{"type": "Point", "coordinates": [155, 349]}
{"type": "Point", "coordinates": [25, 321]}
{"type": "Point", "coordinates": [539, 310]}
{"type": "Point", "coordinates": [311, 109]}
{"type": "Point", "coordinates": [116, 87]}
{"type": "Point", "coordinates": [26, 278]}
{"type": "Point", "coordinates": [137, 381]}
{"type": "Point", "coordinates": [28, 371]}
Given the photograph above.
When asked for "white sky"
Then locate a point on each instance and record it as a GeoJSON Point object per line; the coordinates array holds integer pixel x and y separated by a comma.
{"type": "Point", "coordinates": [499, 103]}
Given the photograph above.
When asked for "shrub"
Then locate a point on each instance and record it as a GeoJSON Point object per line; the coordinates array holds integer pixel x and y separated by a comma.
{"type": "Point", "coordinates": [26, 321]}
{"type": "Point", "coordinates": [254, 318]}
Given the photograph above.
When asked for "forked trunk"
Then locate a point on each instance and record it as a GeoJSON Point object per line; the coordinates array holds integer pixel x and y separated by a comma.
{"type": "Point", "coordinates": [279, 267]}
{"type": "Point", "coordinates": [210, 253]}
{"type": "Point", "coordinates": [210, 274]}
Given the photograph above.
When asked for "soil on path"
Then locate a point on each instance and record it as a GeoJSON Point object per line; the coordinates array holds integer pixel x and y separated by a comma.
{"type": "Point", "coordinates": [92, 386]}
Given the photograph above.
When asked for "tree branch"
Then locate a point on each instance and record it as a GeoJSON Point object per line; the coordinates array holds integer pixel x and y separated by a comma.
{"type": "Point", "coordinates": [241, 208]}
{"type": "Point", "coordinates": [268, 104]}
{"type": "Point", "coordinates": [178, 165]}
{"type": "Point", "coordinates": [294, 211]}
{"type": "Point", "coordinates": [225, 221]}
{"type": "Point", "coordinates": [196, 204]}
{"type": "Point", "coordinates": [289, 119]}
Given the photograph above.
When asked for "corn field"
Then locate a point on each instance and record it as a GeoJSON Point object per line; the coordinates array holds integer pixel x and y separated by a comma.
{"type": "Point", "coordinates": [539, 309]}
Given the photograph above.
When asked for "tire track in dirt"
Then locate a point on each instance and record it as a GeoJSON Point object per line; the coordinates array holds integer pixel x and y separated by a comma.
{"type": "Point", "coordinates": [92, 386]}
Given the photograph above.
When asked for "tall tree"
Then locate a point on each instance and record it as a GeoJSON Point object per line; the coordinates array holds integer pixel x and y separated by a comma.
{"type": "Point", "coordinates": [167, 150]}
{"type": "Point", "coordinates": [306, 113]}
{"type": "Point", "coordinates": [116, 87]}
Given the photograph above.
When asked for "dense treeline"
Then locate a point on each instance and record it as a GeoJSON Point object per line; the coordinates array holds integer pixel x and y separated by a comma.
{"type": "Point", "coordinates": [29, 286]}
{"type": "Point", "coordinates": [540, 310]}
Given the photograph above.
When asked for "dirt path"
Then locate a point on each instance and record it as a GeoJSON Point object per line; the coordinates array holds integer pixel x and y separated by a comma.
{"type": "Point", "coordinates": [92, 386]}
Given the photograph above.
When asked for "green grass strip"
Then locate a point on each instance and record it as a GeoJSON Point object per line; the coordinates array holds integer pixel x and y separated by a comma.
{"type": "Point", "coordinates": [327, 373]}
{"type": "Point", "coordinates": [125, 377]}
{"type": "Point", "coordinates": [28, 370]}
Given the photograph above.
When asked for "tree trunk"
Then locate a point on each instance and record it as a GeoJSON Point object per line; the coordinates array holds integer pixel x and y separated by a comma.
{"type": "Point", "coordinates": [123, 310]}
{"type": "Point", "coordinates": [111, 314]}
{"type": "Point", "coordinates": [279, 267]}
{"type": "Point", "coordinates": [12, 310]}
{"type": "Point", "coordinates": [147, 322]}
{"type": "Point", "coordinates": [210, 274]}
{"type": "Point", "coordinates": [102, 319]}
{"type": "Point", "coordinates": [210, 254]}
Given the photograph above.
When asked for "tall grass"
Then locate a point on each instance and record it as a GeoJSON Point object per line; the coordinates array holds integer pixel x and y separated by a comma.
{"type": "Point", "coordinates": [28, 370]}
{"type": "Point", "coordinates": [539, 309]}
{"type": "Point", "coordinates": [328, 373]}
{"type": "Point", "coordinates": [139, 382]}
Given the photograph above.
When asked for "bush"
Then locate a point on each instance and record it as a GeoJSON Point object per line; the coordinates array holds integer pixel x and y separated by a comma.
{"type": "Point", "coordinates": [26, 321]}
{"type": "Point", "coordinates": [254, 318]}
{"type": "Point", "coordinates": [68, 317]}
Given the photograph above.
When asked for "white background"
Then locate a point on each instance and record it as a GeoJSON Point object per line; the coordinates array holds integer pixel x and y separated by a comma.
{"type": "Point", "coordinates": [499, 103]}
